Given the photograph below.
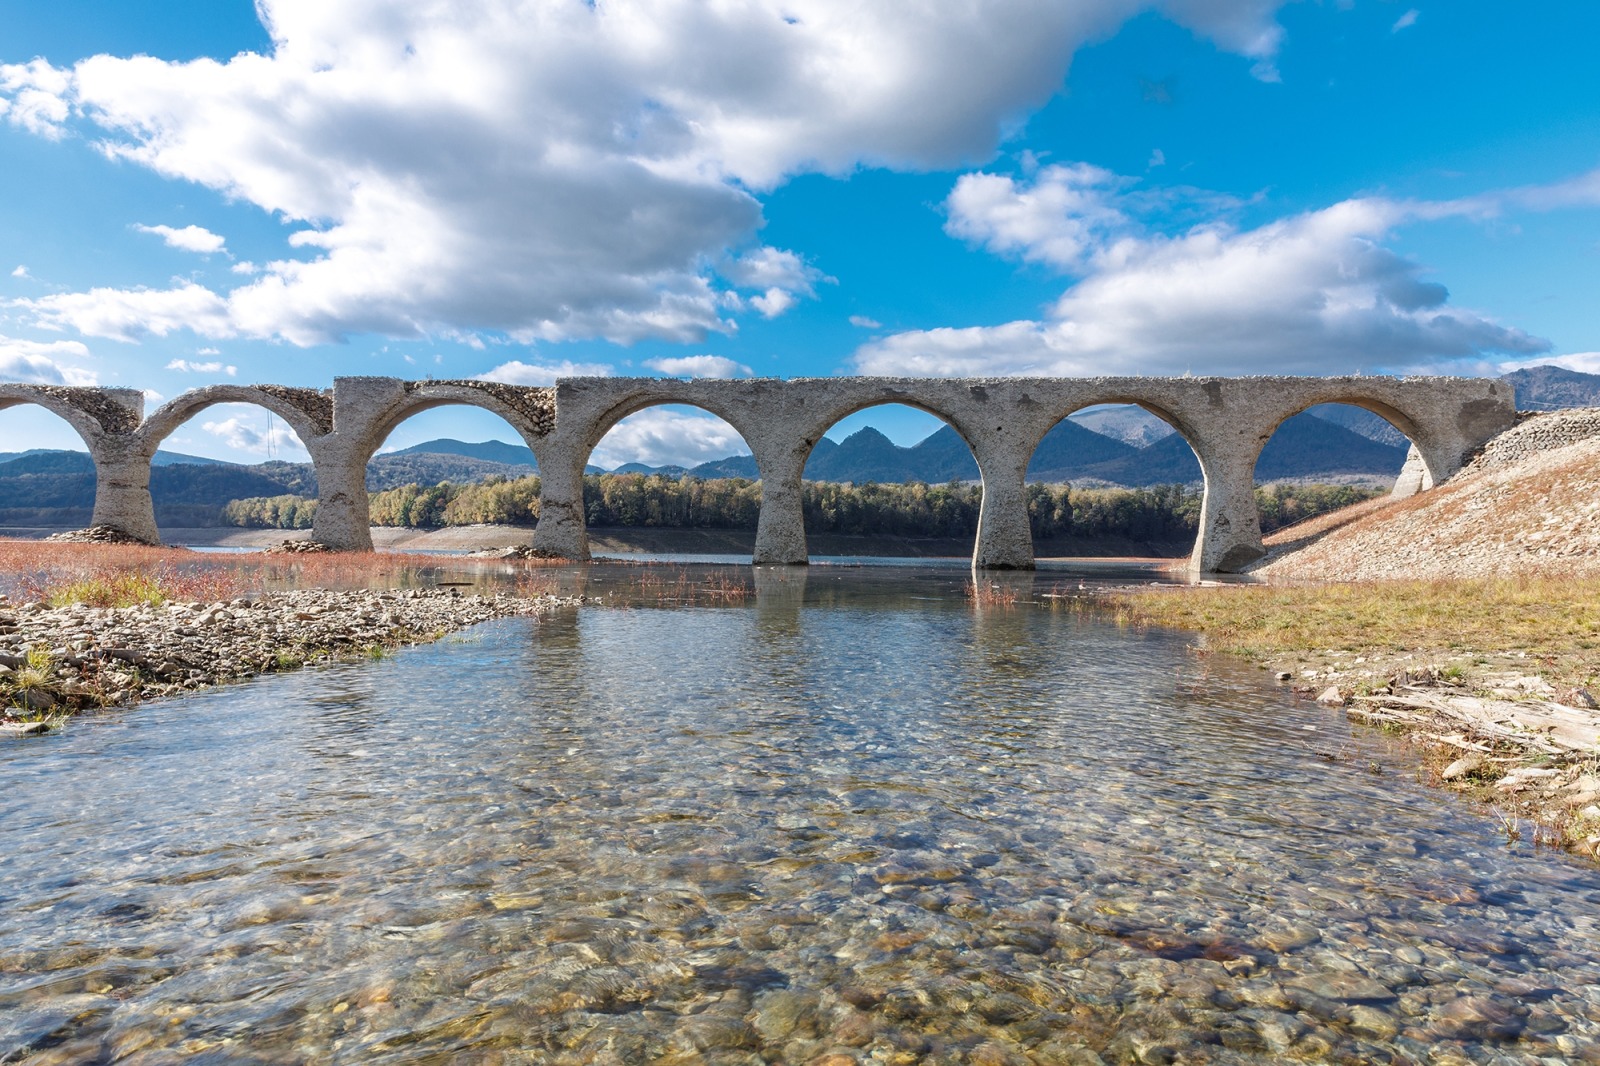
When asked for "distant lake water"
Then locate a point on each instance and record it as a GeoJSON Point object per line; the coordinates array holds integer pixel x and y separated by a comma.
{"type": "Point", "coordinates": [862, 813]}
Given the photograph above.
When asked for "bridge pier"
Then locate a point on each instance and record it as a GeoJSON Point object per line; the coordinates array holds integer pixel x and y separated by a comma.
{"type": "Point", "coordinates": [562, 528]}
{"type": "Point", "coordinates": [344, 516]}
{"type": "Point", "coordinates": [781, 527]}
{"type": "Point", "coordinates": [1005, 535]}
{"type": "Point", "coordinates": [1230, 523]}
{"type": "Point", "coordinates": [122, 498]}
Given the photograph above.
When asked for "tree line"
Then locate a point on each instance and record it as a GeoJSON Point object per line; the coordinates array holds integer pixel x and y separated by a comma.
{"type": "Point", "coordinates": [1160, 513]}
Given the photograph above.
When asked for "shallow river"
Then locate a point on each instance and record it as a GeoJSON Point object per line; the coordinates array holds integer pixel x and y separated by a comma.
{"type": "Point", "coordinates": [854, 815]}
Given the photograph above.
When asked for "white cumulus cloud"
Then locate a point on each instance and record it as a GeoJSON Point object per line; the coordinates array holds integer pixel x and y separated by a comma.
{"type": "Point", "coordinates": [21, 272]}
{"type": "Point", "coordinates": [863, 322]}
{"type": "Point", "coordinates": [34, 96]}
{"type": "Point", "coordinates": [784, 276]}
{"type": "Point", "coordinates": [1313, 293]}
{"type": "Point", "coordinates": [1061, 217]}
{"type": "Point", "coordinates": [188, 239]}
{"type": "Point", "coordinates": [517, 372]}
{"type": "Point", "coordinates": [214, 367]}
{"type": "Point", "coordinates": [699, 366]}
{"type": "Point", "coordinates": [774, 302]}
{"type": "Point", "coordinates": [40, 362]}
{"type": "Point", "coordinates": [551, 170]}
{"type": "Point", "coordinates": [254, 430]}
{"type": "Point", "coordinates": [129, 314]}
{"type": "Point", "coordinates": [661, 436]}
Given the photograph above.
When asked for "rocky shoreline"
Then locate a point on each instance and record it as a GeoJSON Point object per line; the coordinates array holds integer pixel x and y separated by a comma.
{"type": "Point", "coordinates": [56, 661]}
{"type": "Point", "coordinates": [1486, 727]}
{"type": "Point", "coordinates": [1512, 731]}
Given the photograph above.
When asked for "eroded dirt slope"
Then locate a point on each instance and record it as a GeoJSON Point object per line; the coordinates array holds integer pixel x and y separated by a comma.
{"type": "Point", "coordinates": [1530, 503]}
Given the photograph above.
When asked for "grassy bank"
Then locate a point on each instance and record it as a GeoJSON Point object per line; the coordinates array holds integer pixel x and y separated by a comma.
{"type": "Point", "coordinates": [1492, 680]}
{"type": "Point", "coordinates": [1554, 622]}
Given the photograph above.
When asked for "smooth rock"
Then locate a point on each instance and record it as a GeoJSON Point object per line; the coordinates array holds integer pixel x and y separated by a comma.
{"type": "Point", "coordinates": [1343, 987]}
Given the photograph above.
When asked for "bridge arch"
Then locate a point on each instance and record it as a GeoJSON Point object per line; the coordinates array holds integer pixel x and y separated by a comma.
{"type": "Point", "coordinates": [93, 413]}
{"type": "Point", "coordinates": [528, 410]}
{"type": "Point", "coordinates": [367, 409]}
{"type": "Point", "coordinates": [620, 497]}
{"type": "Point", "coordinates": [106, 419]}
{"type": "Point", "coordinates": [189, 494]}
{"type": "Point", "coordinates": [1183, 441]}
{"type": "Point", "coordinates": [68, 494]}
{"type": "Point", "coordinates": [308, 412]}
{"type": "Point", "coordinates": [588, 416]}
{"type": "Point", "coordinates": [831, 499]}
{"type": "Point", "coordinates": [600, 426]}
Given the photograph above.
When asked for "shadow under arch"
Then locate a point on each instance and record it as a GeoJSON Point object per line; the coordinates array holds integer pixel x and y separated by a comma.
{"type": "Point", "coordinates": [630, 500]}
{"type": "Point", "coordinates": [1068, 453]}
{"type": "Point", "coordinates": [936, 510]}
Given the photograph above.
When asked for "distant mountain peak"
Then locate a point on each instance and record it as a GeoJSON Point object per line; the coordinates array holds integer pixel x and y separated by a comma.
{"type": "Point", "coordinates": [1542, 388]}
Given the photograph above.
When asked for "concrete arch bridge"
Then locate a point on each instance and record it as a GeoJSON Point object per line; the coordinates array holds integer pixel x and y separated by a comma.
{"type": "Point", "coordinates": [1225, 420]}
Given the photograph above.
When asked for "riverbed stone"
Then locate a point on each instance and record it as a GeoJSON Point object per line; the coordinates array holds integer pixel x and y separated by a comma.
{"type": "Point", "coordinates": [1344, 987]}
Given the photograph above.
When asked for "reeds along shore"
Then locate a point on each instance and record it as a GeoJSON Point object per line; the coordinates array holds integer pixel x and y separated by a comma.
{"type": "Point", "coordinates": [1492, 680]}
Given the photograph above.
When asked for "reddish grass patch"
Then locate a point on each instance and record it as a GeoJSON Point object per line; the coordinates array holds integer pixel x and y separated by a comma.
{"type": "Point", "coordinates": [35, 570]}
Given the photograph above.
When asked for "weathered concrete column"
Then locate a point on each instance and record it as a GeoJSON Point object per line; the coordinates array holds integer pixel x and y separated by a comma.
{"type": "Point", "coordinates": [344, 519]}
{"type": "Point", "coordinates": [562, 526]}
{"type": "Point", "coordinates": [1230, 523]}
{"type": "Point", "coordinates": [781, 528]}
{"type": "Point", "coordinates": [122, 487]}
{"type": "Point", "coordinates": [1414, 476]}
{"type": "Point", "coordinates": [1005, 537]}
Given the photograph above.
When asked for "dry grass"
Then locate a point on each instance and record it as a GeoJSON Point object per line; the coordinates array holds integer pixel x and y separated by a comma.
{"type": "Point", "coordinates": [1450, 637]}
{"type": "Point", "coordinates": [988, 594]}
{"type": "Point", "coordinates": [681, 589]}
{"type": "Point", "coordinates": [121, 574]}
{"type": "Point", "coordinates": [1555, 620]}
{"type": "Point", "coordinates": [104, 575]}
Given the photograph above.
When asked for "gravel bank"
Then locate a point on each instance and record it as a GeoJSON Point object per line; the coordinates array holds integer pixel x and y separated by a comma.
{"type": "Point", "coordinates": [1530, 503]}
{"type": "Point", "coordinates": [59, 660]}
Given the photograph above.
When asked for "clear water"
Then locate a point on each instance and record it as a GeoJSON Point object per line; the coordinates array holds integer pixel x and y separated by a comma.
{"type": "Point", "coordinates": [855, 815]}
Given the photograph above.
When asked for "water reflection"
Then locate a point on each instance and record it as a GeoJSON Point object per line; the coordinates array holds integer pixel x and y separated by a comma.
{"type": "Point", "coordinates": [855, 815]}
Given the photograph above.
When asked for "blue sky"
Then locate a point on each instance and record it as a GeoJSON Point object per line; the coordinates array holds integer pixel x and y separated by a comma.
{"type": "Point", "coordinates": [520, 190]}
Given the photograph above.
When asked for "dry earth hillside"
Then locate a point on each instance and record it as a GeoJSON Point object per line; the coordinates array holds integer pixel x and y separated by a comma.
{"type": "Point", "coordinates": [1530, 503]}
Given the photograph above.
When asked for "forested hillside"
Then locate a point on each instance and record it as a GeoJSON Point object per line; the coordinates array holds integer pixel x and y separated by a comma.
{"type": "Point", "coordinates": [1162, 513]}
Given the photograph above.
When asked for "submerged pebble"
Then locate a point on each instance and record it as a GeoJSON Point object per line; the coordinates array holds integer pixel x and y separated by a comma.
{"type": "Point", "coordinates": [871, 829]}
